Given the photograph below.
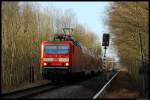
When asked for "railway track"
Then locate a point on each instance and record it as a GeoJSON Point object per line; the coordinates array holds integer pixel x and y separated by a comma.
{"type": "Point", "coordinates": [103, 89]}
{"type": "Point", "coordinates": [25, 93]}
{"type": "Point", "coordinates": [50, 88]}
{"type": "Point", "coordinates": [31, 91]}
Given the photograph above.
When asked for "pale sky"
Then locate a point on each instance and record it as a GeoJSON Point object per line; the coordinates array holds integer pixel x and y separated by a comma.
{"type": "Point", "coordinates": [91, 14]}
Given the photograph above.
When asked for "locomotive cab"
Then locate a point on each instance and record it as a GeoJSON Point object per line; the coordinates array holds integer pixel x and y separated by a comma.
{"type": "Point", "coordinates": [56, 55]}
{"type": "Point", "coordinates": [56, 58]}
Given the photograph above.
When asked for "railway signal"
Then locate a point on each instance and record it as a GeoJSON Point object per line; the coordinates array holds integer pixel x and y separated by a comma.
{"type": "Point", "coordinates": [105, 40]}
{"type": "Point", "coordinates": [105, 43]}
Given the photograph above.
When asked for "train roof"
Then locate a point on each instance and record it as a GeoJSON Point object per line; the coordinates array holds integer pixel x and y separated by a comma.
{"type": "Point", "coordinates": [63, 38]}
{"type": "Point", "coordinates": [56, 42]}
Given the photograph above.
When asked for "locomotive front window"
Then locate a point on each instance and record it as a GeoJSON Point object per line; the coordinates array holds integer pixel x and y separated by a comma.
{"type": "Point", "coordinates": [56, 49]}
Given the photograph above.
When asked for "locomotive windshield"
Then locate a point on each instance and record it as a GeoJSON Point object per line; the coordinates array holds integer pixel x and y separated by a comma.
{"type": "Point", "coordinates": [56, 49]}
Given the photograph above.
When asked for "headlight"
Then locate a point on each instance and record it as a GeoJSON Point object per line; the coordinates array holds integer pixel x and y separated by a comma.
{"type": "Point", "coordinates": [67, 64]}
{"type": "Point", "coordinates": [45, 64]}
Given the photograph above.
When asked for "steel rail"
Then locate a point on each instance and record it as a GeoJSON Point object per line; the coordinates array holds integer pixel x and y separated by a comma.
{"type": "Point", "coordinates": [30, 91]}
{"type": "Point", "coordinates": [102, 90]}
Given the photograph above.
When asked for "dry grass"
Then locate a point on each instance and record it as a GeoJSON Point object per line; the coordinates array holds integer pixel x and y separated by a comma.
{"type": "Point", "coordinates": [122, 87]}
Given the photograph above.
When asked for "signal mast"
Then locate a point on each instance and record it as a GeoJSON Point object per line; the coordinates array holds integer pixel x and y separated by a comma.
{"type": "Point", "coordinates": [105, 43]}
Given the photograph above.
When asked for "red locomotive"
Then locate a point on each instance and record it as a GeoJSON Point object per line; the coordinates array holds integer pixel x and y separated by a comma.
{"type": "Point", "coordinates": [66, 57]}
